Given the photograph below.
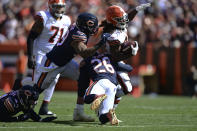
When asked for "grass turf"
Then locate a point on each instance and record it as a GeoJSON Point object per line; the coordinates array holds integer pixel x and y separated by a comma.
{"type": "Point", "coordinates": [163, 113]}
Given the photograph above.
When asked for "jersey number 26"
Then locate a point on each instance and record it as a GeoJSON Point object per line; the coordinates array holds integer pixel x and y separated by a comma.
{"type": "Point", "coordinates": [103, 65]}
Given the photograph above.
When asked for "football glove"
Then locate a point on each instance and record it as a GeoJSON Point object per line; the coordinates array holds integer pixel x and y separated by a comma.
{"type": "Point", "coordinates": [135, 48]}
{"type": "Point", "coordinates": [22, 117]}
{"type": "Point", "coordinates": [143, 6]}
{"type": "Point", "coordinates": [104, 39]}
{"type": "Point", "coordinates": [48, 119]}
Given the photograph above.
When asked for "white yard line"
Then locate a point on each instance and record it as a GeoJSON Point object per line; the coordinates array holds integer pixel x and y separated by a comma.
{"type": "Point", "coordinates": [126, 126]}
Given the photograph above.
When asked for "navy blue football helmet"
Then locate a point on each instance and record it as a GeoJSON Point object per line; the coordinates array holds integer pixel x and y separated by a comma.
{"type": "Point", "coordinates": [29, 94]}
{"type": "Point", "coordinates": [87, 23]}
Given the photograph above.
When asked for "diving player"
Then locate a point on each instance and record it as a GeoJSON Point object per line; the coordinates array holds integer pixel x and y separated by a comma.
{"type": "Point", "coordinates": [22, 100]}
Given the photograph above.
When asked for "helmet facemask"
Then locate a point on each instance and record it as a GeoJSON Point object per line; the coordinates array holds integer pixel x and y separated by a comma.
{"type": "Point", "coordinates": [87, 23]}
{"type": "Point", "coordinates": [57, 10]}
{"type": "Point", "coordinates": [121, 22]}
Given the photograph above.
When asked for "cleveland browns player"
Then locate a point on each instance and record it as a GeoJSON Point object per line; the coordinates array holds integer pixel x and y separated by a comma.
{"type": "Point", "coordinates": [49, 28]}
{"type": "Point", "coordinates": [115, 24]}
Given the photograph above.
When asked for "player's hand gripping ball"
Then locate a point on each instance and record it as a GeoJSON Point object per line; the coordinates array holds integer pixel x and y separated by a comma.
{"type": "Point", "coordinates": [130, 48]}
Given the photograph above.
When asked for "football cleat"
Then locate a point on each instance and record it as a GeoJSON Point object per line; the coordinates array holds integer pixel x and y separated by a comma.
{"type": "Point", "coordinates": [43, 112]}
{"type": "Point", "coordinates": [113, 119]}
{"type": "Point", "coordinates": [79, 115]}
{"type": "Point", "coordinates": [97, 102]}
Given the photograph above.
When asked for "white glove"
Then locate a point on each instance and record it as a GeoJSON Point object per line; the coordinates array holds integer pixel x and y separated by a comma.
{"type": "Point", "coordinates": [143, 6]}
{"type": "Point", "coordinates": [135, 48]}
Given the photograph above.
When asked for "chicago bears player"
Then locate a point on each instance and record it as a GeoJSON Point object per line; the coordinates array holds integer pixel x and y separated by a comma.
{"type": "Point", "coordinates": [115, 24]}
{"type": "Point", "coordinates": [49, 28]}
{"type": "Point", "coordinates": [22, 100]}
{"type": "Point", "coordinates": [101, 92]}
{"type": "Point", "coordinates": [74, 43]}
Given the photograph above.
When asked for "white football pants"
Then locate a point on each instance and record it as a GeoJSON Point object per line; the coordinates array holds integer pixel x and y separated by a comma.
{"type": "Point", "coordinates": [104, 86]}
{"type": "Point", "coordinates": [124, 86]}
{"type": "Point", "coordinates": [48, 76]}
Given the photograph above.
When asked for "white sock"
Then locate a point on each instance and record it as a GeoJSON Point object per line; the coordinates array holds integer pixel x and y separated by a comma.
{"type": "Point", "coordinates": [79, 106]}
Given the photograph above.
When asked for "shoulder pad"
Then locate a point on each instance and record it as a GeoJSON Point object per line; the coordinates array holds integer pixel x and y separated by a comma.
{"type": "Point", "coordinates": [66, 19]}
{"type": "Point", "coordinates": [43, 15]}
{"type": "Point", "coordinates": [79, 36]}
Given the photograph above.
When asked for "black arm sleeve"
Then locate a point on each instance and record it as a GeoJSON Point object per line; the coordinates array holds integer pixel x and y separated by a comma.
{"type": "Point", "coordinates": [124, 67]}
{"type": "Point", "coordinates": [30, 40]}
{"type": "Point", "coordinates": [132, 14]}
{"type": "Point", "coordinates": [33, 115]}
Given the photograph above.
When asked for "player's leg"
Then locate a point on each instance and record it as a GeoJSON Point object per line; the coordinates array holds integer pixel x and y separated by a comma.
{"type": "Point", "coordinates": [71, 71]}
{"type": "Point", "coordinates": [47, 73]}
{"type": "Point", "coordinates": [48, 93]}
{"type": "Point", "coordinates": [95, 94]}
{"type": "Point", "coordinates": [124, 87]}
{"type": "Point", "coordinates": [83, 83]}
{"type": "Point", "coordinates": [106, 112]}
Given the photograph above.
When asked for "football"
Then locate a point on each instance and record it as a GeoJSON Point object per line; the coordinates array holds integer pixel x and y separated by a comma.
{"type": "Point", "coordinates": [126, 47]}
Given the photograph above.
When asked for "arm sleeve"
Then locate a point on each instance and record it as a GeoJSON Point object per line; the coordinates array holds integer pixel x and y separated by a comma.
{"type": "Point", "coordinates": [33, 115]}
{"type": "Point", "coordinates": [131, 14]}
{"type": "Point", "coordinates": [123, 67]}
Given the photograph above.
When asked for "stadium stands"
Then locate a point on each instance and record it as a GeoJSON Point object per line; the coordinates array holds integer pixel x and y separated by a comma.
{"type": "Point", "coordinates": [166, 32]}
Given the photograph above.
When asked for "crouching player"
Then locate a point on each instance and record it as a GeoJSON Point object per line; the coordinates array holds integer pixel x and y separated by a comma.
{"type": "Point", "coordinates": [101, 92]}
{"type": "Point", "coordinates": [22, 100]}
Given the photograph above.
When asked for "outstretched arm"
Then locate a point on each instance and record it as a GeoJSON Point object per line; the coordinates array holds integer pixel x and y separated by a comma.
{"type": "Point", "coordinates": [35, 117]}
{"type": "Point", "coordinates": [132, 13]}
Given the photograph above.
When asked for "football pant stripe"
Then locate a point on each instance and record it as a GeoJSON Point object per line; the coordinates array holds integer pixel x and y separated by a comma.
{"type": "Point", "coordinates": [90, 88]}
{"type": "Point", "coordinates": [43, 75]}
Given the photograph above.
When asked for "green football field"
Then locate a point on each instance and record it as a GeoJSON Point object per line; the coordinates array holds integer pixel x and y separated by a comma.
{"type": "Point", "coordinates": [163, 113]}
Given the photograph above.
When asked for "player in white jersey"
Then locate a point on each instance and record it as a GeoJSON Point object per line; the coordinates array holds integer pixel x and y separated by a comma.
{"type": "Point", "coordinates": [116, 24]}
{"type": "Point", "coordinates": [49, 28]}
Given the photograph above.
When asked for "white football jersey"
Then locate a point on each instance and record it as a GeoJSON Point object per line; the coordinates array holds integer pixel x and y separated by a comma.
{"type": "Point", "coordinates": [53, 32]}
{"type": "Point", "coordinates": [117, 37]}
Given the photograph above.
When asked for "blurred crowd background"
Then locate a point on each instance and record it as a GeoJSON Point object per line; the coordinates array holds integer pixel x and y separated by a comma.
{"type": "Point", "coordinates": [168, 23]}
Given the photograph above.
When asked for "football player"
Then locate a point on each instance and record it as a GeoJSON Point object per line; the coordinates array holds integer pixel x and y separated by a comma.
{"type": "Point", "coordinates": [101, 93]}
{"type": "Point", "coordinates": [74, 43]}
{"type": "Point", "coordinates": [49, 28]}
{"type": "Point", "coordinates": [22, 100]}
{"type": "Point", "coordinates": [115, 24]}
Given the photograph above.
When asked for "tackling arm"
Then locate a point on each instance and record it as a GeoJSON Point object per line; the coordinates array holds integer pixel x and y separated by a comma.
{"type": "Point", "coordinates": [84, 51]}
